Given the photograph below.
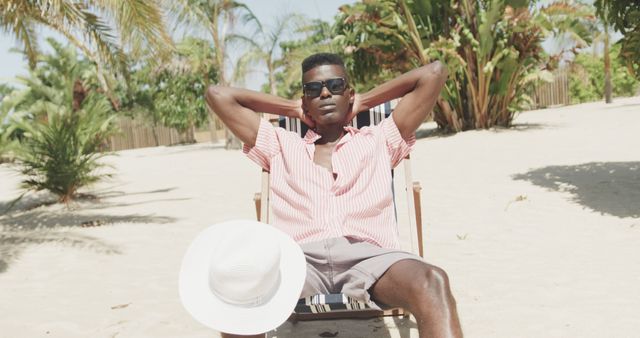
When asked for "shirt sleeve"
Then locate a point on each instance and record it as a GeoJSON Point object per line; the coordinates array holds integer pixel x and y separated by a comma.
{"type": "Point", "coordinates": [266, 147]}
{"type": "Point", "coordinates": [398, 147]}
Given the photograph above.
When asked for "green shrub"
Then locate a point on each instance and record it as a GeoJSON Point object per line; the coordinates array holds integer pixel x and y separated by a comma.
{"type": "Point", "coordinates": [62, 155]}
{"type": "Point", "coordinates": [586, 79]}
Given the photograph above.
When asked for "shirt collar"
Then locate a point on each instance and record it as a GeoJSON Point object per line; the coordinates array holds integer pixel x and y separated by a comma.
{"type": "Point", "coordinates": [311, 136]}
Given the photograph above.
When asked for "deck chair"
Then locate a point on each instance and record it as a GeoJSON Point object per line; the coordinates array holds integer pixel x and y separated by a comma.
{"type": "Point", "coordinates": [336, 306]}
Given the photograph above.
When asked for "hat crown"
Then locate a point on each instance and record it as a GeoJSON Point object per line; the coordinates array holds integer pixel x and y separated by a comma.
{"type": "Point", "coordinates": [247, 277]}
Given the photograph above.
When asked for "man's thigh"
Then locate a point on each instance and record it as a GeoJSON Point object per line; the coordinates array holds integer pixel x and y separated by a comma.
{"type": "Point", "coordinates": [342, 265]}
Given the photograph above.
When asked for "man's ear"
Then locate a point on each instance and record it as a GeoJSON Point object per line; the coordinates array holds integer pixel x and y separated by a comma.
{"type": "Point", "coordinates": [352, 95]}
{"type": "Point", "coordinates": [304, 104]}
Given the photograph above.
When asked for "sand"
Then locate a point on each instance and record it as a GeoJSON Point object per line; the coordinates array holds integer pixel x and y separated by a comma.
{"type": "Point", "coordinates": [538, 227]}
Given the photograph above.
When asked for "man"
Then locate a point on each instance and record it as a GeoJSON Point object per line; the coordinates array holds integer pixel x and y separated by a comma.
{"type": "Point", "coordinates": [331, 190]}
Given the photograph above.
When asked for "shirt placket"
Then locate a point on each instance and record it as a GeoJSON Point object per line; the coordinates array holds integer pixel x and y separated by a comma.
{"type": "Point", "coordinates": [334, 197]}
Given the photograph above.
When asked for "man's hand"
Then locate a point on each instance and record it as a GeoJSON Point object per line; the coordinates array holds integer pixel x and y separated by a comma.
{"type": "Point", "coordinates": [419, 90]}
{"type": "Point", "coordinates": [356, 107]}
{"type": "Point", "coordinates": [306, 118]}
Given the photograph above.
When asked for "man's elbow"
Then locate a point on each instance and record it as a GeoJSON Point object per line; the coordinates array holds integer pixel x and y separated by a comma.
{"type": "Point", "coordinates": [439, 70]}
{"type": "Point", "coordinates": [214, 95]}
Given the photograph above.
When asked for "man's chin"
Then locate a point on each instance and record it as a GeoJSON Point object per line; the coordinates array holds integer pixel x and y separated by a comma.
{"type": "Point", "coordinates": [331, 119]}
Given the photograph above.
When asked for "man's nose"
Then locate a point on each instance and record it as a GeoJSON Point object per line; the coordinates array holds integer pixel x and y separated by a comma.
{"type": "Point", "coordinates": [325, 92]}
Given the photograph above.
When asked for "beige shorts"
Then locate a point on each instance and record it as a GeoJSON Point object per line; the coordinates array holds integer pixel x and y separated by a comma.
{"type": "Point", "coordinates": [348, 266]}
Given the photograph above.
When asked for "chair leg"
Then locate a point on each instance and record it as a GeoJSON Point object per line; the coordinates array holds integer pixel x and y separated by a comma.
{"type": "Point", "coordinates": [257, 199]}
{"type": "Point", "coordinates": [416, 202]}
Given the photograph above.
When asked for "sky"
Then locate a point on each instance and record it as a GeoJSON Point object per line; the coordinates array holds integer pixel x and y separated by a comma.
{"type": "Point", "coordinates": [12, 64]}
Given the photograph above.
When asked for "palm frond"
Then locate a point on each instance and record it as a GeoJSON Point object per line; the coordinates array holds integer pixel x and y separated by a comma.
{"type": "Point", "coordinates": [246, 65]}
{"type": "Point", "coordinates": [15, 18]}
{"type": "Point", "coordinates": [141, 26]}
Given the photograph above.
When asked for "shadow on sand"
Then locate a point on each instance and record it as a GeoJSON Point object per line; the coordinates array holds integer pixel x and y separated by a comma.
{"type": "Point", "coordinates": [346, 328]}
{"type": "Point", "coordinates": [607, 187]}
{"type": "Point", "coordinates": [38, 219]}
{"type": "Point", "coordinates": [434, 132]}
{"type": "Point", "coordinates": [623, 106]}
{"type": "Point", "coordinates": [20, 230]}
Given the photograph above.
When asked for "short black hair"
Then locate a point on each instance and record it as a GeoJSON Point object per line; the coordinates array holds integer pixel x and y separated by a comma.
{"type": "Point", "coordinates": [320, 59]}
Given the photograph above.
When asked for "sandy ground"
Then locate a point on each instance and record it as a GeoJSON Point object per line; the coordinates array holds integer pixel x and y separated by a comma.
{"type": "Point", "coordinates": [538, 227]}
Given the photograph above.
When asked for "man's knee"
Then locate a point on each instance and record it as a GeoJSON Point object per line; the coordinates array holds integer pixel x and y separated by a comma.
{"type": "Point", "coordinates": [432, 282]}
{"type": "Point", "coordinates": [229, 335]}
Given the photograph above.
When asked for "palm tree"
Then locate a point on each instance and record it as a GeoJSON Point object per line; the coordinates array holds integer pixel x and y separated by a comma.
{"type": "Point", "coordinates": [217, 18]}
{"type": "Point", "coordinates": [316, 37]}
{"type": "Point", "coordinates": [264, 47]}
{"type": "Point", "coordinates": [171, 93]}
{"type": "Point", "coordinates": [138, 24]}
{"type": "Point", "coordinates": [577, 23]}
{"type": "Point", "coordinates": [264, 50]}
{"type": "Point", "coordinates": [608, 88]}
{"type": "Point", "coordinates": [622, 15]}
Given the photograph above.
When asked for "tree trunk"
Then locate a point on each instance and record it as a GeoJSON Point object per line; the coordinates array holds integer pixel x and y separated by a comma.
{"type": "Point", "coordinates": [607, 66]}
{"type": "Point", "coordinates": [232, 141]}
{"type": "Point", "coordinates": [154, 131]}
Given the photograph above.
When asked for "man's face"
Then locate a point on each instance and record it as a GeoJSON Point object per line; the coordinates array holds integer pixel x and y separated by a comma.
{"type": "Point", "coordinates": [328, 107]}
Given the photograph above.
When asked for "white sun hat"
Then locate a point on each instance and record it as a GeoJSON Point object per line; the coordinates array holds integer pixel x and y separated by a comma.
{"type": "Point", "coordinates": [242, 277]}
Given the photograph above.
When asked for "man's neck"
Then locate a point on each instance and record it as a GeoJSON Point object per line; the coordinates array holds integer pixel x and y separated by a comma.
{"type": "Point", "coordinates": [329, 134]}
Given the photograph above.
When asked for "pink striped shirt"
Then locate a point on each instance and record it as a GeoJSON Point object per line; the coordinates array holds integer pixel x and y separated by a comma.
{"type": "Point", "coordinates": [310, 205]}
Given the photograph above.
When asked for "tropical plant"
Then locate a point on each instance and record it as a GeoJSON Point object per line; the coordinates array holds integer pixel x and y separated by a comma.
{"type": "Point", "coordinates": [171, 94]}
{"type": "Point", "coordinates": [62, 155]}
{"type": "Point", "coordinates": [624, 16]}
{"type": "Point", "coordinates": [576, 26]}
{"type": "Point", "coordinates": [218, 19]}
{"type": "Point", "coordinates": [587, 77]}
{"type": "Point", "coordinates": [59, 84]}
{"type": "Point", "coordinates": [60, 120]}
{"type": "Point", "coordinates": [492, 48]}
{"type": "Point", "coordinates": [573, 25]}
{"type": "Point", "coordinates": [4, 90]}
{"type": "Point", "coordinates": [139, 25]}
{"type": "Point", "coordinates": [316, 36]}
{"type": "Point", "coordinates": [264, 48]}
{"type": "Point", "coordinates": [6, 143]}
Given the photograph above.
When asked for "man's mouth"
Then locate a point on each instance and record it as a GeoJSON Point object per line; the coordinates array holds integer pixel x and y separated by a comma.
{"type": "Point", "coordinates": [327, 106]}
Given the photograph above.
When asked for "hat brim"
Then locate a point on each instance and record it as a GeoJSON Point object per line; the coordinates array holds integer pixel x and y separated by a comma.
{"type": "Point", "coordinates": [210, 311]}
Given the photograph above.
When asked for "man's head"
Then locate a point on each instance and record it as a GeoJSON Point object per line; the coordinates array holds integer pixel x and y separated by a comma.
{"type": "Point", "coordinates": [327, 96]}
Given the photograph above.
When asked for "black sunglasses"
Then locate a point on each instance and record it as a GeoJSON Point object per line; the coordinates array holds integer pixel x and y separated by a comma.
{"type": "Point", "coordinates": [336, 86]}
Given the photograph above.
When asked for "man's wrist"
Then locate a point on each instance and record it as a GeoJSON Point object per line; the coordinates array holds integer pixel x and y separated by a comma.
{"type": "Point", "coordinates": [364, 102]}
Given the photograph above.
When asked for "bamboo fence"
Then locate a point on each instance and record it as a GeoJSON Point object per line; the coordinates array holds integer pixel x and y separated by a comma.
{"type": "Point", "coordinates": [555, 93]}
{"type": "Point", "coordinates": [137, 134]}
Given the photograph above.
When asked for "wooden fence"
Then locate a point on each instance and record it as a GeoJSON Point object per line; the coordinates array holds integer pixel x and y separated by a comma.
{"type": "Point", "coordinates": [136, 134]}
{"type": "Point", "coordinates": [554, 93]}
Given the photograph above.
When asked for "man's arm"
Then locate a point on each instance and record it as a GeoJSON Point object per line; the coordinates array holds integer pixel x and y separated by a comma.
{"type": "Point", "coordinates": [237, 109]}
{"type": "Point", "coordinates": [419, 90]}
